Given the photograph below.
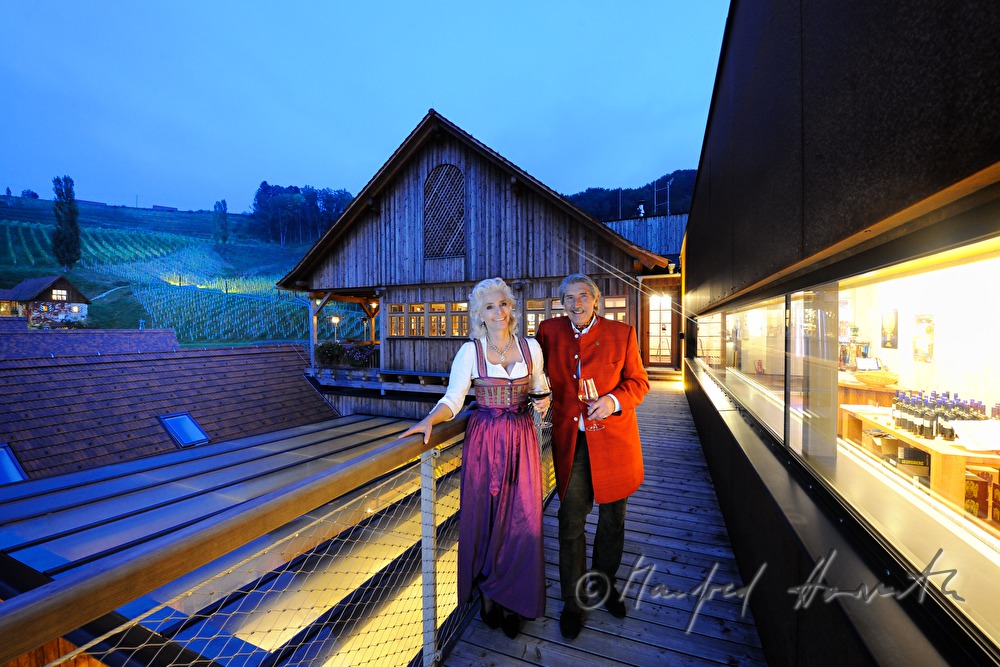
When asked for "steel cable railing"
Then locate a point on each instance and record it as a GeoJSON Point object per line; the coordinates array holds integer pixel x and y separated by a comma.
{"type": "Point", "coordinates": [353, 566]}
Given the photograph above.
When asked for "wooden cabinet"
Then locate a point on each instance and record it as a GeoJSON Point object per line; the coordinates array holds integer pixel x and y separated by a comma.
{"type": "Point", "coordinates": [852, 392]}
{"type": "Point", "coordinates": [947, 461]}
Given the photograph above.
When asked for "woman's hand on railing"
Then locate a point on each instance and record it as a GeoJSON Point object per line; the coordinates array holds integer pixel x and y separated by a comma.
{"type": "Point", "coordinates": [423, 426]}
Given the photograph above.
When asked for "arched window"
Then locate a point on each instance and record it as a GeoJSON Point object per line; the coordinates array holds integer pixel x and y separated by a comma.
{"type": "Point", "coordinates": [444, 212]}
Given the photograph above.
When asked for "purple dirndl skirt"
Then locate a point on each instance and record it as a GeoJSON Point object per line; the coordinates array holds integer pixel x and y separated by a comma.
{"type": "Point", "coordinates": [500, 533]}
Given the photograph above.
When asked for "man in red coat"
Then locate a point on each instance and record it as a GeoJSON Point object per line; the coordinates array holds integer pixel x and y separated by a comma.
{"type": "Point", "coordinates": [603, 466]}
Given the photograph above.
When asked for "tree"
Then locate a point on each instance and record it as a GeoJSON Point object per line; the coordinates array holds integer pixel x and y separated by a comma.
{"type": "Point", "coordinates": [220, 222]}
{"type": "Point", "coordinates": [8, 192]}
{"type": "Point", "coordinates": [66, 237]}
{"type": "Point", "coordinates": [29, 194]}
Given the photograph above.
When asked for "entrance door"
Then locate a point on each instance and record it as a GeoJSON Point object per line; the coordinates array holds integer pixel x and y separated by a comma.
{"type": "Point", "coordinates": [661, 330]}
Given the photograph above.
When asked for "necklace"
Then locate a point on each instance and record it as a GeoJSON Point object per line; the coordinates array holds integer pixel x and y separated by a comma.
{"type": "Point", "coordinates": [503, 359]}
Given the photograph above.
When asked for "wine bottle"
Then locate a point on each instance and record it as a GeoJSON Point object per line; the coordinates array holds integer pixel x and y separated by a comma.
{"type": "Point", "coordinates": [927, 425]}
{"type": "Point", "coordinates": [947, 431]}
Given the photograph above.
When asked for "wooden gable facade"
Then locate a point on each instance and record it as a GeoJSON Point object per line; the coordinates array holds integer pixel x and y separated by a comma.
{"type": "Point", "coordinates": [444, 212]}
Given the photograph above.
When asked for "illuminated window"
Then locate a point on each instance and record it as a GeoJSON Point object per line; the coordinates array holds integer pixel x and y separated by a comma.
{"type": "Point", "coordinates": [534, 313]}
{"type": "Point", "coordinates": [184, 429]}
{"type": "Point", "coordinates": [415, 323]}
{"type": "Point", "coordinates": [459, 321]}
{"type": "Point", "coordinates": [614, 302]}
{"type": "Point", "coordinates": [429, 319]}
{"type": "Point", "coordinates": [10, 468]}
{"type": "Point", "coordinates": [883, 384]}
{"type": "Point", "coordinates": [59, 295]}
{"type": "Point", "coordinates": [614, 308]}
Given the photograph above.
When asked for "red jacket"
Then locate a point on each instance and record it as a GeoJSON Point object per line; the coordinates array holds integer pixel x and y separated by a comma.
{"type": "Point", "coordinates": [609, 353]}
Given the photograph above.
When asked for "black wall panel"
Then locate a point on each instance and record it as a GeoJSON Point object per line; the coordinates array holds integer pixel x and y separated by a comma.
{"type": "Point", "coordinates": [828, 117]}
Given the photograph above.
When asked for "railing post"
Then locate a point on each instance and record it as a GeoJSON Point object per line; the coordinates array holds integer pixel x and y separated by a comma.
{"type": "Point", "coordinates": [428, 550]}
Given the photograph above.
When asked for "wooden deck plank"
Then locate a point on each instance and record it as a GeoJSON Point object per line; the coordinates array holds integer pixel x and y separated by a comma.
{"type": "Point", "coordinates": [674, 528]}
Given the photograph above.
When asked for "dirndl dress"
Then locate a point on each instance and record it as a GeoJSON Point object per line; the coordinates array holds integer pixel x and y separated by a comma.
{"type": "Point", "coordinates": [500, 531]}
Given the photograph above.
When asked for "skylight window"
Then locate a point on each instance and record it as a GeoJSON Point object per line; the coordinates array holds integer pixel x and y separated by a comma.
{"type": "Point", "coordinates": [10, 469]}
{"type": "Point", "coordinates": [184, 429]}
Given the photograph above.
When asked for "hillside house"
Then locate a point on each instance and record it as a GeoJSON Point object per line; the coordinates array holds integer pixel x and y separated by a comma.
{"type": "Point", "coordinates": [446, 211]}
{"type": "Point", "coordinates": [49, 302]}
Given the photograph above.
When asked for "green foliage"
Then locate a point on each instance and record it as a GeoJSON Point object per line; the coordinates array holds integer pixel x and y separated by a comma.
{"type": "Point", "coordinates": [66, 237]}
{"type": "Point", "coordinates": [296, 215]}
{"type": "Point", "coordinates": [330, 354]}
{"type": "Point", "coordinates": [220, 222]}
{"type": "Point", "coordinates": [614, 204]}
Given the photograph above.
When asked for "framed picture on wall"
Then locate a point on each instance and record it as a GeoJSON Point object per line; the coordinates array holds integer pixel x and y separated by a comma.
{"type": "Point", "coordinates": [923, 339]}
{"type": "Point", "coordinates": [890, 329]}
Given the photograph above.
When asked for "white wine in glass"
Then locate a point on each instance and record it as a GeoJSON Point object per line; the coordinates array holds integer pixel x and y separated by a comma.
{"type": "Point", "coordinates": [588, 394]}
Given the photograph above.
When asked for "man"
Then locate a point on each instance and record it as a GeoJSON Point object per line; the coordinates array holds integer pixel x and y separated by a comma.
{"type": "Point", "coordinates": [603, 466]}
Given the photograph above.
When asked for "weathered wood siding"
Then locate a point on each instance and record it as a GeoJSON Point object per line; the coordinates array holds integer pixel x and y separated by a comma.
{"type": "Point", "coordinates": [511, 232]}
{"type": "Point", "coordinates": [663, 234]}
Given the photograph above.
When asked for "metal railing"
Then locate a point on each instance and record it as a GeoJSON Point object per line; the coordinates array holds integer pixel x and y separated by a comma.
{"type": "Point", "coordinates": [356, 565]}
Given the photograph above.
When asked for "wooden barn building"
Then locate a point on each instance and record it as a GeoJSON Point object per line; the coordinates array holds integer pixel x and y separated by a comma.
{"type": "Point", "coordinates": [444, 212]}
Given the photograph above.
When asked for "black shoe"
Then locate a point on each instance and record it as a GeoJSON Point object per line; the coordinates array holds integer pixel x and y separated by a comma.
{"type": "Point", "coordinates": [511, 623]}
{"type": "Point", "coordinates": [614, 604]}
{"type": "Point", "coordinates": [613, 601]}
{"type": "Point", "coordinates": [570, 622]}
{"type": "Point", "coordinates": [491, 618]}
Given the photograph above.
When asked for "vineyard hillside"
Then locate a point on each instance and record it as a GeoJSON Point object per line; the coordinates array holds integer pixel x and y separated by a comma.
{"type": "Point", "coordinates": [210, 294]}
{"type": "Point", "coordinates": [196, 224]}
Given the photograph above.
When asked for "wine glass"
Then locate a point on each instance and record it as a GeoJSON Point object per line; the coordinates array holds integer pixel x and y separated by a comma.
{"type": "Point", "coordinates": [536, 395]}
{"type": "Point", "coordinates": [588, 394]}
{"type": "Point", "coordinates": [544, 416]}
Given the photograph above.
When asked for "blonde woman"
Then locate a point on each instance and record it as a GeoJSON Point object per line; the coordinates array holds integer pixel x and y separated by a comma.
{"type": "Point", "coordinates": [500, 534]}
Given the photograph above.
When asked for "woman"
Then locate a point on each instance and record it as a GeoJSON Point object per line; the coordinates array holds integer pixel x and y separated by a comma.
{"type": "Point", "coordinates": [500, 534]}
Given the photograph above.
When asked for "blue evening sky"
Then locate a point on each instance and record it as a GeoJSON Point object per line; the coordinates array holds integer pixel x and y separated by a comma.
{"type": "Point", "coordinates": [183, 103]}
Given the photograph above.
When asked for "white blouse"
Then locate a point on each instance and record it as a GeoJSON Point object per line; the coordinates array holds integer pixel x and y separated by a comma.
{"type": "Point", "coordinates": [463, 371]}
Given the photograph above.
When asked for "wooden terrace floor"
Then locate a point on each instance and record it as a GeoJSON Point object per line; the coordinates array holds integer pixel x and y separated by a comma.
{"type": "Point", "coordinates": [675, 527]}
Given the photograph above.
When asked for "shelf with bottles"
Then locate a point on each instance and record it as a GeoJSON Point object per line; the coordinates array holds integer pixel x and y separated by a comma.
{"type": "Point", "coordinates": [947, 460]}
{"type": "Point", "coordinates": [931, 415]}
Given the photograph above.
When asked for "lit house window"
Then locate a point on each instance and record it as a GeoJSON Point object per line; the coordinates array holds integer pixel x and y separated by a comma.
{"type": "Point", "coordinates": [534, 313]}
{"type": "Point", "coordinates": [397, 325]}
{"type": "Point", "coordinates": [614, 308]}
{"type": "Point", "coordinates": [438, 319]}
{"type": "Point", "coordinates": [442, 319]}
{"type": "Point", "coordinates": [184, 429]}
{"type": "Point", "coordinates": [460, 319]}
{"type": "Point", "coordinates": [10, 468]}
{"type": "Point", "coordinates": [415, 323]}
{"type": "Point", "coordinates": [59, 295]}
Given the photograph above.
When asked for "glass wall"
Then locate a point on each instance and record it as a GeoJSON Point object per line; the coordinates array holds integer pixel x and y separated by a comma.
{"type": "Point", "coordinates": [887, 386]}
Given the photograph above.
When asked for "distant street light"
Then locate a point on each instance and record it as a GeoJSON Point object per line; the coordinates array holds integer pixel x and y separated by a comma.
{"type": "Point", "coordinates": [336, 321]}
